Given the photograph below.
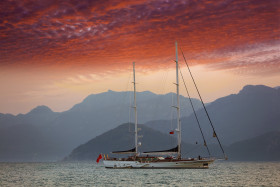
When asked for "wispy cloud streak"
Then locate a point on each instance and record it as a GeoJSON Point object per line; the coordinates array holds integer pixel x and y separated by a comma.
{"type": "Point", "coordinates": [98, 34]}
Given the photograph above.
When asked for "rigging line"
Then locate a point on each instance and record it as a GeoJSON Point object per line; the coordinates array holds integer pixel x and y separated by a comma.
{"type": "Point", "coordinates": [194, 113]}
{"type": "Point", "coordinates": [204, 105]}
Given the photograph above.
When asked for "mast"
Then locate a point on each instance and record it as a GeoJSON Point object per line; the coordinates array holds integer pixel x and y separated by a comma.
{"type": "Point", "coordinates": [178, 104]}
{"type": "Point", "coordinates": [135, 112]}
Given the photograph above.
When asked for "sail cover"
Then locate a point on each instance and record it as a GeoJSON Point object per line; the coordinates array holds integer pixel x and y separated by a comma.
{"type": "Point", "coordinates": [125, 152]}
{"type": "Point", "coordinates": [169, 151]}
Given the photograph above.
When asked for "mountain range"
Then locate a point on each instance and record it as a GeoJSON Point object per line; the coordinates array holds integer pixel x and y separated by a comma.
{"type": "Point", "coordinates": [253, 111]}
{"type": "Point", "coordinates": [59, 133]}
{"type": "Point", "coordinates": [43, 135]}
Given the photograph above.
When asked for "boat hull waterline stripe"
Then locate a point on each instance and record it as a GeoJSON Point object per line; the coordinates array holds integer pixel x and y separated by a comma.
{"type": "Point", "coordinates": [192, 164]}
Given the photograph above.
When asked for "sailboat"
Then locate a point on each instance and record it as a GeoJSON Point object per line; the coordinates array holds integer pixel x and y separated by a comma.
{"type": "Point", "coordinates": [145, 160]}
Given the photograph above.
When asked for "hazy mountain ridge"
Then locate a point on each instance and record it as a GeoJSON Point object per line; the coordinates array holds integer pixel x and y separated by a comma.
{"type": "Point", "coordinates": [265, 147]}
{"type": "Point", "coordinates": [96, 114]}
{"type": "Point", "coordinates": [253, 111]}
{"type": "Point", "coordinates": [26, 142]}
{"type": "Point", "coordinates": [41, 115]}
{"type": "Point", "coordinates": [250, 113]}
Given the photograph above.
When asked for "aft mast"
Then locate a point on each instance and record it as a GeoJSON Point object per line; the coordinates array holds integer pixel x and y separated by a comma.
{"type": "Point", "coordinates": [135, 112]}
{"type": "Point", "coordinates": [178, 105]}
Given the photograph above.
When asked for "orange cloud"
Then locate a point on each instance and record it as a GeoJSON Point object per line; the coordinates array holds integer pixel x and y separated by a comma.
{"type": "Point", "coordinates": [107, 35]}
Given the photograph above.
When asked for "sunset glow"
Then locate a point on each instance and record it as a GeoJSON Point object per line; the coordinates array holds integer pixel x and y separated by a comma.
{"type": "Point", "coordinates": [55, 53]}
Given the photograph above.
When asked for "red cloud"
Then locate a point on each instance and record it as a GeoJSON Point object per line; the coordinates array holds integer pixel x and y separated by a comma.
{"type": "Point", "coordinates": [98, 34]}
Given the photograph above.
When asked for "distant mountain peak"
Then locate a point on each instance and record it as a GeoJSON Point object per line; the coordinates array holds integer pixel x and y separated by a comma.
{"type": "Point", "coordinates": [111, 93]}
{"type": "Point", "coordinates": [254, 88]}
{"type": "Point", "coordinates": [41, 109]}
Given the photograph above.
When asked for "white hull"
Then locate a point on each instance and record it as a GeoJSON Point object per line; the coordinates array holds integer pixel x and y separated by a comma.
{"type": "Point", "coordinates": [181, 164]}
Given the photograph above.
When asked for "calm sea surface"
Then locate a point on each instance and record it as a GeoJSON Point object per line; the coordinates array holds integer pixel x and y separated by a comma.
{"type": "Point", "coordinates": [91, 174]}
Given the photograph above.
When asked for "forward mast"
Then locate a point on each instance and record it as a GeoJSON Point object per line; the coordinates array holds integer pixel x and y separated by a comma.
{"type": "Point", "coordinates": [178, 105]}
{"type": "Point", "coordinates": [135, 112]}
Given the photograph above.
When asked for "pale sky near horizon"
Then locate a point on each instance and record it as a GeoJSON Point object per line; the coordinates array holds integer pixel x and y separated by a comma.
{"type": "Point", "coordinates": [61, 95]}
{"type": "Point", "coordinates": [56, 53]}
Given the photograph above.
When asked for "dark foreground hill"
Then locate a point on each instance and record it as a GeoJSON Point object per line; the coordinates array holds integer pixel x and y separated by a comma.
{"type": "Point", "coordinates": [121, 138]}
{"type": "Point", "coordinates": [262, 148]}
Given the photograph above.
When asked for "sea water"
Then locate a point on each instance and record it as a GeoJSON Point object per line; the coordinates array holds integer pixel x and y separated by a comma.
{"type": "Point", "coordinates": [91, 174]}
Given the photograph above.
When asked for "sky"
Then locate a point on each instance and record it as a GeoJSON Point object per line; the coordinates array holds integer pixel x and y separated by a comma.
{"type": "Point", "coordinates": [56, 53]}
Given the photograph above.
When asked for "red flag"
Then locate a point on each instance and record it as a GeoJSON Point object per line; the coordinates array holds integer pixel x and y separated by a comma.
{"type": "Point", "coordinates": [171, 132]}
{"type": "Point", "coordinates": [99, 157]}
